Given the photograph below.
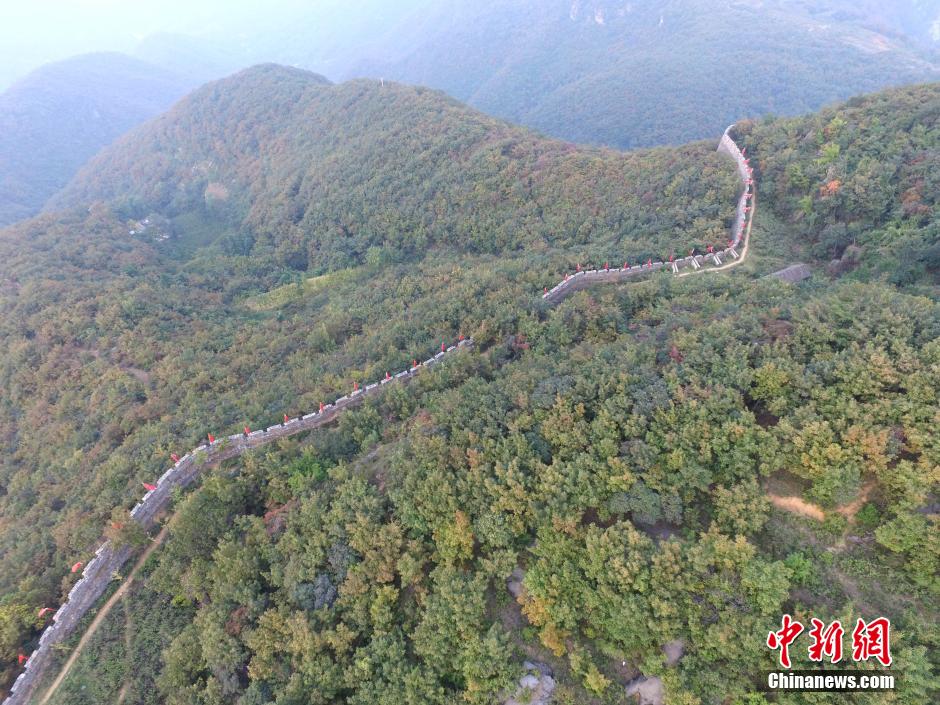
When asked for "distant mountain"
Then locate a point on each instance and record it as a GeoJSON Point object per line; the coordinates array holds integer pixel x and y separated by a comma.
{"type": "Point", "coordinates": [53, 120]}
{"type": "Point", "coordinates": [660, 71]}
{"type": "Point", "coordinates": [201, 60]}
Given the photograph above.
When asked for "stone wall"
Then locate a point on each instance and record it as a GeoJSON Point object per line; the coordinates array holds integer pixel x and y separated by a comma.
{"type": "Point", "coordinates": [108, 560]}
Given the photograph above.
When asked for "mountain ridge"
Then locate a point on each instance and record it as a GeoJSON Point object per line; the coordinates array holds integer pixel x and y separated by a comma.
{"type": "Point", "coordinates": [300, 165]}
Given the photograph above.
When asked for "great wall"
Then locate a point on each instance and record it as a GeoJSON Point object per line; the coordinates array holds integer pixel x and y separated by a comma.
{"type": "Point", "coordinates": [99, 573]}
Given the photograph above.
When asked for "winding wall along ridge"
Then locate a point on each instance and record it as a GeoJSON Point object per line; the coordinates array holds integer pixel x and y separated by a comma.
{"type": "Point", "coordinates": [108, 559]}
{"type": "Point", "coordinates": [98, 573]}
{"type": "Point", "coordinates": [582, 279]}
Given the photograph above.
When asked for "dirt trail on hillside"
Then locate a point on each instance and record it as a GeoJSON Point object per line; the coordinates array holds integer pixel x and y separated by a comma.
{"type": "Point", "coordinates": [851, 509]}
{"type": "Point", "coordinates": [102, 614]}
{"type": "Point", "coordinates": [796, 505]}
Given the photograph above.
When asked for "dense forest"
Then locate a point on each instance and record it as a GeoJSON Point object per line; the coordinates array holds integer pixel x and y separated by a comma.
{"type": "Point", "coordinates": [55, 119]}
{"type": "Point", "coordinates": [659, 469]}
{"type": "Point", "coordinates": [859, 183]}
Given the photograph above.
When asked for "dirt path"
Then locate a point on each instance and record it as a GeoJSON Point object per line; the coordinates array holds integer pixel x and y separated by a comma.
{"type": "Point", "coordinates": [852, 508]}
{"type": "Point", "coordinates": [797, 505]}
{"type": "Point", "coordinates": [128, 645]}
{"type": "Point", "coordinates": [100, 617]}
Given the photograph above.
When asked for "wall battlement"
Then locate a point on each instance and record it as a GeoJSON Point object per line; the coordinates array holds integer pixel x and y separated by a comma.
{"type": "Point", "coordinates": [108, 560]}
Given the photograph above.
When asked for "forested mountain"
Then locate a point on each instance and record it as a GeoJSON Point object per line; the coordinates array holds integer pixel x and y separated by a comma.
{"type": "Point", "coordinates": [621, 73]}
{"type": "Point", "coordinates": [628, 460]}
{"type": "Point", "coordinates": [317, 177]}
{"type": "Point", "coordinates": [53, 120]}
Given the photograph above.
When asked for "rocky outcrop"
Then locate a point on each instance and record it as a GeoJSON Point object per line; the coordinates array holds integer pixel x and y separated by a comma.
{"type": "Point", "coordinates": [647, 691]}
{"type": "Point", "coordinates": [793, 274]}
{"type": "Point", "coordinates": [850, 260]}
{"type": "Point", "coordinates": [535, 687]}
{"type": "Point", "coordinates": [674, 650]}
{"type": "Point", "coordinates": [514, 583]}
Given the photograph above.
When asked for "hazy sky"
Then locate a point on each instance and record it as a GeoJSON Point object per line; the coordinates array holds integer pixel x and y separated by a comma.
{"type": "Point", "coordinates": [33, 32]}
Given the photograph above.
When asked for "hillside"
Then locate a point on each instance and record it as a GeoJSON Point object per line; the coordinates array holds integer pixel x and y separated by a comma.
{"type": "Point", "coordinates": [857, 184]}
{"type": "Point", "coordinates": [56, 118]}
{"type": "Point", "coordinates": [626, 461]}
{"type": "Point", "coordinates": [619, 73]}
{"type": "Point", "coordinates": [319, 176]}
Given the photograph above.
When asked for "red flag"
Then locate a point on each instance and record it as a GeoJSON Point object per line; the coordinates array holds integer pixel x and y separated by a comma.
{"type": "Point", "coordinates": [21, 659]}
{"type": "Point", "coordinates": [579, 267]}
{"type": "Point", "coordinates": [355, 386]}
{"type": "Point", "coordinates": [45, 610]}
{"type": "Point", "coordinates": [650, 262]}
{"type": "Point", "coordinates": [77, 567]}
{"type": "Point", "coordinates": [546, 290]}
{"type": "Point", "coordinates": [460, 337]}
{"type": "Point", "coordinates": [321, 407]}
{"type": "Point", "coordinates": [414, 363]}
{"type": "Point", "coordinates": [626, 265]}
{"type": "Point", "coordinates": [247, 431]}
{"type": "Point", "coordinates": [174, 457]}
{"type": "Point", "coordinates": [711, 248]}
{"type": "Point", "coordinates": [606, 266]}
{"type": "Point", "coordinates": [211, 438]}
{"type": "Point", "coordinates": [286, 418]}
{"type": "Point", "coordinates": [148, 486]}
{"type": "Point", "coordinates": [387, 375]}
{"type": "Point", "coordinates": [443, 347]}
